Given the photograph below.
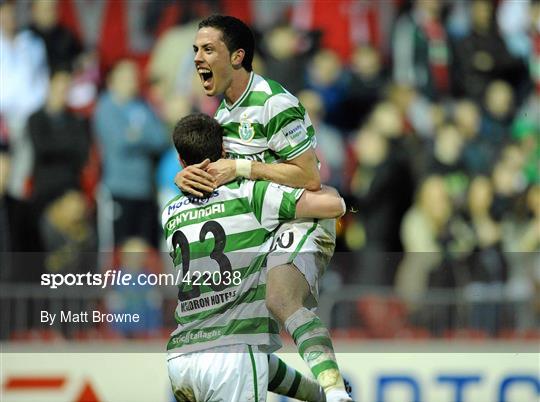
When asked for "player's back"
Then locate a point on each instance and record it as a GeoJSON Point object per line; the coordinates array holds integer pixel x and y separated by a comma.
{"type": "Point", "coordinates": [220, 243]}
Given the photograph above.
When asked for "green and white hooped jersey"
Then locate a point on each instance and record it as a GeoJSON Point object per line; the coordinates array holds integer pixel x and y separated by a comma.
{"type": "Point", "coordinates": [267, 123]}
{"type": "Point", "coordinates": [219, 245]}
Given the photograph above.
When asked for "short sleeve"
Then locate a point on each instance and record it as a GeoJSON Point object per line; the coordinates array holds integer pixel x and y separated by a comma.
{"type": "Point", "coordinates": [273, 203]}
{"type": "Point", "coordinates": [286, 127]}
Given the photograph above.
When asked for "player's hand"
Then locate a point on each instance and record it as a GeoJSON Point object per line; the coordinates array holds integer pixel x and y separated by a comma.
{"type": "Point", "coordinates": [223, 171]}
{"type": "Point", "coordinates": [195, 180]}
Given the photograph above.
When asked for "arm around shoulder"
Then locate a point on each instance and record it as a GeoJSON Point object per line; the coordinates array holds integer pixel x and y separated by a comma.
{"type": "Point", "coordinates": [300, 172]}
{"type": "Point", "coordinates": [324, 203]}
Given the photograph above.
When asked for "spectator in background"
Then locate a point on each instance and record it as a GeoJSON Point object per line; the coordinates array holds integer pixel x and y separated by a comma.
{"type": "Point", "coordinates": [131, 137]}
{"type": "Point", "coordinates": [498, 112]}
{"type": "Point", "coordinates": [367, 83]}
{"type": "Point", "coordinates": [526, 130]}
{"type": "Point", "coordinates": [530, 244]}
{"type": "Point", "coordinates": [286, 57]}
{"type": "Point", "coordinates": [381, 191]}
{"type": "Point", "coordinates": [424, 232]}
{"type": "Point", "coordinates": [327, 76]}
{"type": "Point", "coordinates": [61, 44]}
{"type": "Point", "coordinates": [478, 155]}
{"type": "Point", "coordinates": [61, 143]}
{"type": "Point", "coordinates": [488, 267]}
{"type": "Point", "coordinates": [482, 55]}
{"type": "Point", "coordinates": [176, 107]}
{"type": "Point", "coordinates": [486, 230]}
{"type": "Point", "coordinates": [457, 19]}
{"type": "Point", "coordinates": [144, 300]}
{"type": "Point", "coordinates": [69, 239]}
{"type": "Point", "coordinates": [84, 85]}
{"type": "Point", "coordinates": [330, 147]}
{"type": "Point", "coordinates": [171, 60]}
{"type": "Point", "coordinates": [529, 238]}
{"type": "Point", "coordinates": [513, 21]}
{"type": "Point", "coordinates": [507, 185]}
{"type": "Point", "coordinates": [420, 49]}
{"type": "Point", "coordinates": [24, 88]}
{"type": "Point", "coordinates": [171, 70]}
{"type": "Point", "coordinates": [445, 160]}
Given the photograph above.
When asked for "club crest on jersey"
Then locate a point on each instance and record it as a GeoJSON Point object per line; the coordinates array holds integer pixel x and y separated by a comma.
{"type": "Point", "coordinates": [246, 130]}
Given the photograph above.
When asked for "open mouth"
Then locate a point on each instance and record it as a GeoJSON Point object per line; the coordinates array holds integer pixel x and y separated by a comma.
{"type": "Point", "coordinates": [206, 77]}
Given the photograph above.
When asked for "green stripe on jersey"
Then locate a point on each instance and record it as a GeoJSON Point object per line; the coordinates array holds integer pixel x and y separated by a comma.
{"type": "Point", "coordinates": [275, 87]}
{"type": "Point", "coordinates": [255, 98]}
{"type": "Point", "coordinates": [287, 209]}
{"type": "Point", "coordinates": [244, 95]}
{"type": "Point", "coordinates": [234, 242]}
{"type": "Point", "coordinates": [267, 109]}
{"type": "Point", "coordinates": [214, 211]}
{"type": "Point", "coordinates": [283, 118]}
{"type": "Point", "coordinates": [229, 234]}
{"type": "Point", "coordinates": [259, 192]}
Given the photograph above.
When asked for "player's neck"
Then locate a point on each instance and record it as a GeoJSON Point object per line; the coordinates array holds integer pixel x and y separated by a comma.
{"type": "Point", "coordinates": [238, 85]}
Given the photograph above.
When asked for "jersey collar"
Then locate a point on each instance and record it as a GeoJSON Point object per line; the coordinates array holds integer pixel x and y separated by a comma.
{"type": "Point", "coordinates": [243, 96]}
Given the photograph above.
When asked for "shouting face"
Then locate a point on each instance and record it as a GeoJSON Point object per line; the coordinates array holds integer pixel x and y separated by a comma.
{"type": "Point", "coordinates": [213, 61]}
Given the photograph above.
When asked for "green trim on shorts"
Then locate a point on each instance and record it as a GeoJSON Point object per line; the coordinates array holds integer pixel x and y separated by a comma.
{"type": "Point", "coordinates": [256, 386]}
{"type": "Point", "coordinates": [304, 238]}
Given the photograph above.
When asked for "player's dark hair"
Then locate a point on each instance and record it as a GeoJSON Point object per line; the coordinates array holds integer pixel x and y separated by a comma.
{"type": "Point", "coordinates": [197, 137]}
{"type": "Point", "coordinates": [236, 35]}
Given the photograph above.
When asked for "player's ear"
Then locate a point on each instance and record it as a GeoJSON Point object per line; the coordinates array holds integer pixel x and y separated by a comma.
{"type": "Point", "coordinates": [223, 153]}
{"type": "Point", "coordinates": [182, 163]}
{"type": "Point", "coordinates": [237, 57]}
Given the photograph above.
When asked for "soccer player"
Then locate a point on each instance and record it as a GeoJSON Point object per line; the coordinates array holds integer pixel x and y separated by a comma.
{"type": "Point", "coordinates": [269, 136]}
{"type": "Point", "coordinates": [220, 242]}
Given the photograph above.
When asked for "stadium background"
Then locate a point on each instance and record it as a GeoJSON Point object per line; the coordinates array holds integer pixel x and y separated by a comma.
{"type": "Point", "coordinates": [427, 115]}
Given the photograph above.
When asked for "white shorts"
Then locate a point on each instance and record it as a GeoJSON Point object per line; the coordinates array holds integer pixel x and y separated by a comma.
{"type": "Point", "coordinates": [234, 373]}
{"type": "Point", "coordinates": [309, 245]}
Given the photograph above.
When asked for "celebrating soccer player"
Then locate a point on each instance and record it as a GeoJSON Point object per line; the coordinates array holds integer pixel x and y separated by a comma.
{"type": "Point", "coordinates": [269, 136]}
{"type": "Point", "coordinates": [220, 242]}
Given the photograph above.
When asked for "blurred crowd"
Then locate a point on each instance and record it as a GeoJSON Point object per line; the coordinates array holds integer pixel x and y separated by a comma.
{"type": "Point", "coordinates": [427, 115]}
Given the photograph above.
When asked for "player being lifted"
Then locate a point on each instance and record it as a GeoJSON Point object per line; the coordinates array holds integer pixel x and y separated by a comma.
{"type": "Point", "coordinates": [220, 243]}
{"type": "Point", "coordinates": [268, 136]}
